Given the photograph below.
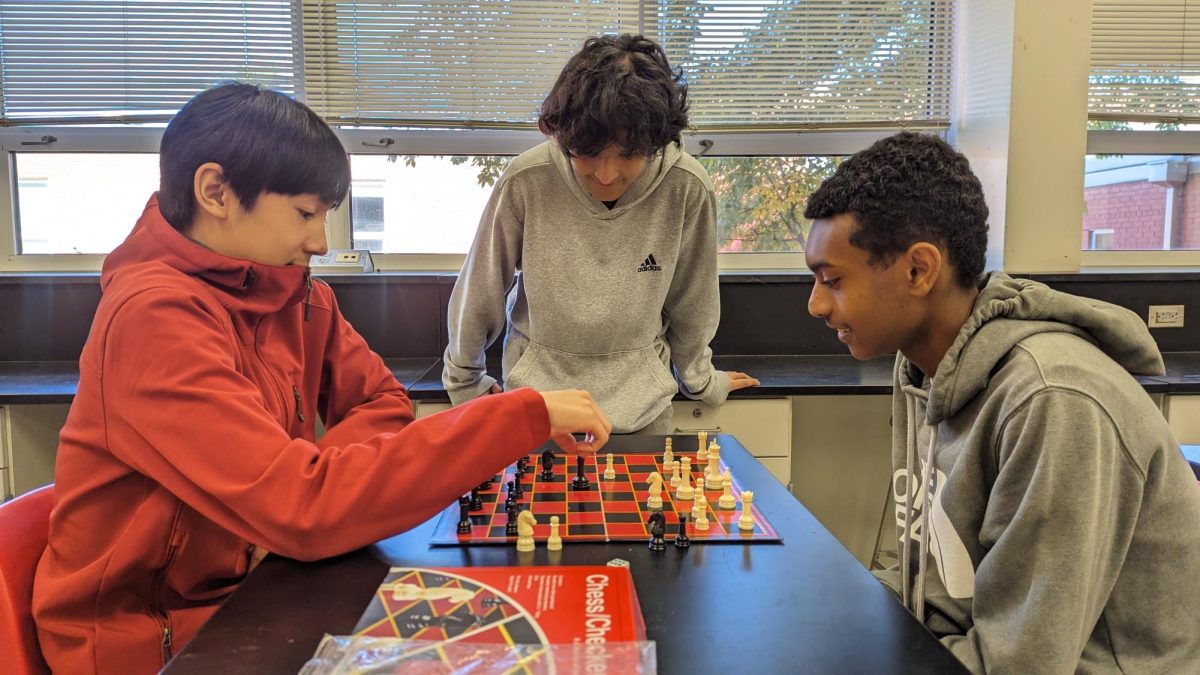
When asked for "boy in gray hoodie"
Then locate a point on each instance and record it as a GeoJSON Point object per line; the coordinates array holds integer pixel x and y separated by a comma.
{"type": "Point", "coordinates": [1048, 521]}
{"type": "Point", "coordinates": [598, 250]}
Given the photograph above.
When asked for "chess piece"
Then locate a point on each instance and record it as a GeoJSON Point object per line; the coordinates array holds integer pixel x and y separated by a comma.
{"type": "Point", "coordinates": [510, 527]}
{"type": "Point", "coordinates": [464, 520]}
{"type": "Point", "coordinates": [681, 539]}
{"type": "Point", "coordinates": [487, 484]}
{"type": "Point", "coordinates": [655, 501]}
{"type": "Point", "coordinates": [702, 519]}
{"type": "Point", "coordinates": [658, 528]}
{"type": "Point", "coordinates": [727, 501]}
{"type": "Point", "coordinates": [685, 484]}
{"type": "Point", "coordinates": [580, 481]}
{"type": "Point", "coordinates": [510, 498]}
{"type": "Point", "coordinates": [547, 465]}
{"type": "Point", "coordinates": [525, 523]}
{"type": "Point", "coordinates": [668, 456]}
{"type": "Point", "coordinates": [554, 543]}
{"type": "Point", "coordinates": [609, 472]}
{"type": "Point", "coordinates": [712, 474]}
{"type": "Point", "coordinates": [476, 500]}
{"type": "Point", "coordinates": [520, 489]}
{"type": "Point", "coordinates": [702, 448]}
{"type": "Point", "coordinates": [675, 479]}
{"type": "Point", "coordinates": [699, 501]}
{"type": "Point", "coordinates": [746, 521]}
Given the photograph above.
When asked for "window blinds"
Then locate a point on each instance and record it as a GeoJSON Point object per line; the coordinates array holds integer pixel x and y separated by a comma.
{"type": "Point", "coordinates": [66, 61]}
{"type": "Point", "coordinates": [1145, 61]}
{"type": "Point", "coordinates": [750, 64]}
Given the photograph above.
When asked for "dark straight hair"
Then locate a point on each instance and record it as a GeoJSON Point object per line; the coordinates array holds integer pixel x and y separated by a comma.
{"type": "Point", "coordinates": [264, 141]}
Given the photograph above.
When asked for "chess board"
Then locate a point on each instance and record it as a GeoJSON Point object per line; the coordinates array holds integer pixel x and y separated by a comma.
{"type": "Point", "coordinates": [607, 510]}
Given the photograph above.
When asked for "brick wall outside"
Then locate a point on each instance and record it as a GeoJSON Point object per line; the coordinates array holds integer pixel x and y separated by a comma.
{"type": "Point", "coordinates": [1135, 212]}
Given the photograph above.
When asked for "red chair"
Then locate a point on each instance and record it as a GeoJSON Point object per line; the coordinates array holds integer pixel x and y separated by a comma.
{"type": "Point", "coordinates": [24, 527]}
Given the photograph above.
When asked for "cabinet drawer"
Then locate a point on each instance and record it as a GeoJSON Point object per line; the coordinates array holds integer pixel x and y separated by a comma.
{"type": "Point", "coordinates": [762, 425]}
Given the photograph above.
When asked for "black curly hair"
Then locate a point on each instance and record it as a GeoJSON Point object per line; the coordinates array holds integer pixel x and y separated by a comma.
{"type": "Point", "coordinates": [617, 89]}
{"type": "Point", "coordinates": [909, 188]}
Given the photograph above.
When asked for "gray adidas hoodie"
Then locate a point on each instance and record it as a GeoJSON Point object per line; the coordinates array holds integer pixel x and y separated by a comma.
{"type": "Point", "coordinates": [1064, 523]}
{"type": "Point", "coordinates": [596, 299]}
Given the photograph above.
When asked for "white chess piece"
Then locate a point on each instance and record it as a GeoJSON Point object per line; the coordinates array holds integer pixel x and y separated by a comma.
{"type": "Point", "coordinates": [525, 523]}
{"type": "Point", "coordinates": [554, 543]}
{"type": "Point", "coordinates": [699, 501]}
{"type": "Point", "coordinates": [668, 457]}
{"type": "Point", "coordinates": [702, 452]}
{"type": "Point", "coordinates": [685, 481]}
{"type": "Point", "coordinates": [675, 479]}
{"type": "Point", "coordinates": [727, 501]}
{"type": "Point", "coordinates": [700, 508]}
{"type": "Point", "coordinates": [656, 481]}
{"type": "Point", "coordinates": [746, 521]}
{"type": "Point", "coordinates": [609, 473]}
{"type": "Point", "coordinates": [712, 473]}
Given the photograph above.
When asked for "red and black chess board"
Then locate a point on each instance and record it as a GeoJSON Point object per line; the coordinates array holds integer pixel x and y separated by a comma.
{"type": "Point", "coordinates": [607, 510]}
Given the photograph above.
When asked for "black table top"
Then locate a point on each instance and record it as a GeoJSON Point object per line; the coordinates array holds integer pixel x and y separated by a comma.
{"type": "Point", "coordinates": [803, 605]}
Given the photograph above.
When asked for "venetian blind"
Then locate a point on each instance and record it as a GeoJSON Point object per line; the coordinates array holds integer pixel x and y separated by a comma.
{"type": "Point", "coordinates": [1145, 61]}
{"type": "Point", "coordinates": [134, 60]}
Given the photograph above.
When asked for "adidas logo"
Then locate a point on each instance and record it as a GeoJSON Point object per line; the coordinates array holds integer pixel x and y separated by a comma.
{"type": "Point", "coordinates": [650, 265]}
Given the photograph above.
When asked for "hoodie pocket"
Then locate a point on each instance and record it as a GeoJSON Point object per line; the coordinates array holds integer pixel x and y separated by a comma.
{"type": "Point", "coordinates": [632, 387]}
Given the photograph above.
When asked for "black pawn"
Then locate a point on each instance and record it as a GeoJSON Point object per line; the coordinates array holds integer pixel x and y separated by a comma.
{"type": "Point", "coordinates": [580, 481]}
{"type": "Point", "coordinates": [520, 489]}
{"type": "Point", "coordinates": [681, 539]}
{"type": "Point", "coordinates": [510, 499]}
{"type": "Point", "coordinates": [547, 465]}
{"type": "Point", "coordinates": [658, 528]}
{"type": "Point", "coordinates": [476, 500]}
{"type": "Point", "coordinates": [464, 520]}
{"type": "Point", "coordinates": [487, 484]}
{"type": "Point", "coordinates": [510, 528]}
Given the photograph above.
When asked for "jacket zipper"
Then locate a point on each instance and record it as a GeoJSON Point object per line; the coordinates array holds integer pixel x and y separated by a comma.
{"type": "Point", "coordinates": [160, 576]}
{"type": "Point", "coordinates": [299, 410]}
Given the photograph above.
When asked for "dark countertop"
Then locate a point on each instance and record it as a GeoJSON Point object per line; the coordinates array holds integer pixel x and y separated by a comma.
{"type": "Point", "coordinates": [801, 605]}
{"type": "Point", "coordinates": [24, 382]}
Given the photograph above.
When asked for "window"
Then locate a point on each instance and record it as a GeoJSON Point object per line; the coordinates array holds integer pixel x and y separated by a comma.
{"type": "Point", "coordinates": [454, 88]}
{"type": "Point", "coordinates": [1143, 110]}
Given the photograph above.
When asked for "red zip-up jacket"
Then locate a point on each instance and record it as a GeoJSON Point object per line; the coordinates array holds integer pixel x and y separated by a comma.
{"type": "Point", "coordinates": [191, 445]}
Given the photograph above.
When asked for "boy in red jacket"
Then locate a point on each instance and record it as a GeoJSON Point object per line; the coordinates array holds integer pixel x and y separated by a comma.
{"type": "Point", "coordinates": [191, 450]}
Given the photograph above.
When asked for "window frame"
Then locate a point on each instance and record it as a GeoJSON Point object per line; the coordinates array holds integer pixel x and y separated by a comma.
{"type": "Point", "coordinates": [1111, 142]}
{"type": "Point", "coordinates": [381, 140]}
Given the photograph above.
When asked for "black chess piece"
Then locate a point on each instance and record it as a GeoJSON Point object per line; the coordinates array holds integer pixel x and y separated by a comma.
{"type": "Point", "coordinates": [519, 489]}
{"type": "Point", "coordinates": [658, 528]}
{"type": "Point", "coordinates": [487, 484]}
{"type": "Point", "coordinates": [510, 527]}
{"type": "Point", "coordinates": [476, 500]}
{"type": "Point", "coordinates": [580, 481]}
{"type": "Point", "coordinates": [510, 499]}
{"type": "Point", "coordinates": [547, 465]}
{"type": "Point", "coordinates": [681, 539]}
{"type": "Point", "coordinates": [464, 520]}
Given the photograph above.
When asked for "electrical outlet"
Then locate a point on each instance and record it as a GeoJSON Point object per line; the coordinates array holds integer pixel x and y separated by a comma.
{"type": "Point", "coordinates": [1165, 316]}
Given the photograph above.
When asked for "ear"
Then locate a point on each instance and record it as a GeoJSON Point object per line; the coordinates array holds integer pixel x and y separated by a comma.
{"type": "Point", "coordinates": [210, 190]}
{"type": "Point", "coordinates": [924, 266]}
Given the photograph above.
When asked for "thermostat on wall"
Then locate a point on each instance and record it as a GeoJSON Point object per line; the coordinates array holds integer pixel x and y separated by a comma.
{"type": "Point", "coordinates": [343, 261]}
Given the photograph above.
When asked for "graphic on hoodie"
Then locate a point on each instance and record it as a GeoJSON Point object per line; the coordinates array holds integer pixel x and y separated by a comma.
{"type": "Point", "coordinates": [949, 553]}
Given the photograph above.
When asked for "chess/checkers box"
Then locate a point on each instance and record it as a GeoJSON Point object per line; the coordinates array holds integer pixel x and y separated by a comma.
{"type": "Point", "coordinates": [762, 425]}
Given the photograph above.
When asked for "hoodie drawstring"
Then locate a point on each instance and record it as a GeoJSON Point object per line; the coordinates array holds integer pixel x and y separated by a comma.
{"type": "Point", "coordinates": [929, 482]}
{"type": "Point", "coordinates": [910, 445]}
{"type": "Point", "coordinates": [308, 296]}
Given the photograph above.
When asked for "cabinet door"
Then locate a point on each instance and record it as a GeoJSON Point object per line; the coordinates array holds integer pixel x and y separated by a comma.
{"type": "Point", "coordinates": [1183, 415]}
{"type": "Point", "coordinates": [427, 408]}
{"type": "Point", "coordinates": [762, 425]}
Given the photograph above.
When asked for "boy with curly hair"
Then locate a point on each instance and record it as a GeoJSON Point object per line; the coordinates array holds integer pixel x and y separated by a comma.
{"type": "Point", "coordinates": [1047, 519]}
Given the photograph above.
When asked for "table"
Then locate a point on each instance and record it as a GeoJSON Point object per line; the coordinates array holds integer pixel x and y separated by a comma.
{"type": "Point", "coordinates": [805, 605]}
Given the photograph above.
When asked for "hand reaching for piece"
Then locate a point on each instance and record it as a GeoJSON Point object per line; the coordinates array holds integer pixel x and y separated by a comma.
{"type": "Point", "coordinates": [573, 411]}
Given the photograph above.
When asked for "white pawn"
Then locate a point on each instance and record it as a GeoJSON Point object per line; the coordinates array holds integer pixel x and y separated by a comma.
{"type": "Point", "coordinates": [746, 522]}
{"type": "Point", "coordinates": [525, 523]}
{"type": "Point", "coordinates": [702, 453]}
{"type": "Point", "coordinates": [712, 473]}
{"type": "Point", "coordinates": [701, 504]}
{"type": "Point", "coordinates": [727, 501]}
{"type": "Point", "coordinates": [699, 501]}
{"type": "Point", "coordinates": [668, 457]}
{"type": "Point", "coordinates": [609, 473]}
{"type": "Point", "coordinates": [655, 501]}
{"type": "Point", "coordinates": [685, 481]}
{"type": "Point", "coordinates": [554, 543]}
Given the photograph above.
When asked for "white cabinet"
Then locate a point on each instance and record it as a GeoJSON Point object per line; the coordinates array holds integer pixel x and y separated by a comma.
{"type": "Point", "coordinates": [762, 425]}
{"type": "Point", "coordinates": [1183, 415]}
{"type": "Point", "coordinates": [427, 408]}
{"type": "Point", "coordinates": [29, 444]}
